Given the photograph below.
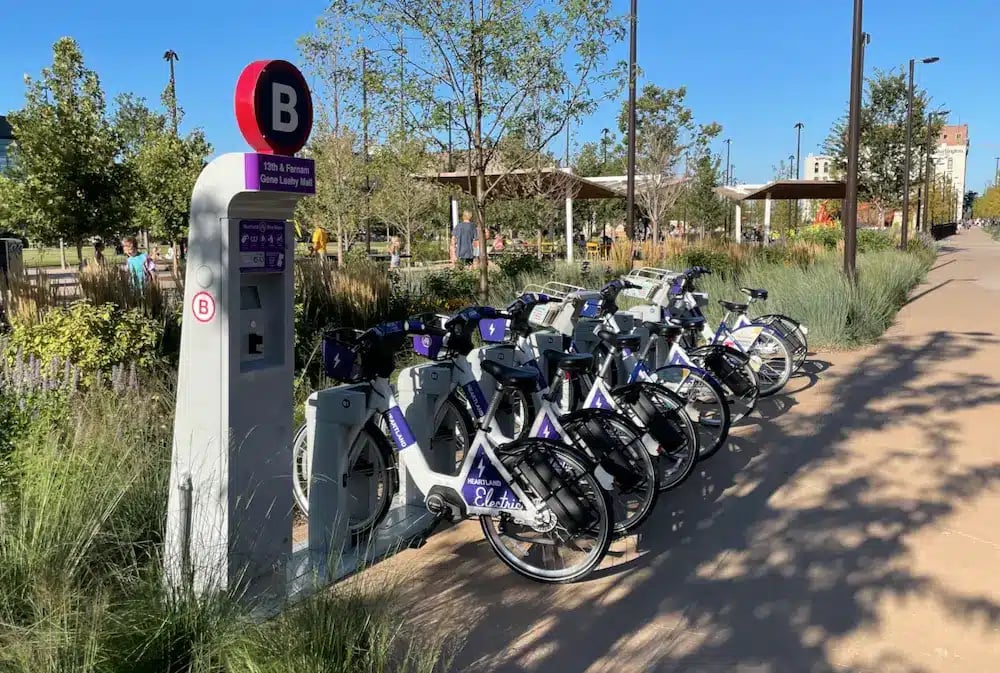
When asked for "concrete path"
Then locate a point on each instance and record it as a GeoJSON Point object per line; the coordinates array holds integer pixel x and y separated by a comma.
{"type": "Point", "coordinates": [855, 527]}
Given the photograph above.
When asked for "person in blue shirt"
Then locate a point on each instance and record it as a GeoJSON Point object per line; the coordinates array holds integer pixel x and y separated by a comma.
{"type": "Point", "coordinates": [139, 264]}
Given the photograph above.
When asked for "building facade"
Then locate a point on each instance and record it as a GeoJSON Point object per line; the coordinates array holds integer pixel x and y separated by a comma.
{"type": "Point", "coordinates": [818, 168]}
{"type": "Point", "coordinates": [950, 160]}
{"type": "Point", "coordinates": [6, 138]}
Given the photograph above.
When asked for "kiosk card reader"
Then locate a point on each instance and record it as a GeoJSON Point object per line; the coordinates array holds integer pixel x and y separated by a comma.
{"type": "Point", "coordinates": [229, 519]}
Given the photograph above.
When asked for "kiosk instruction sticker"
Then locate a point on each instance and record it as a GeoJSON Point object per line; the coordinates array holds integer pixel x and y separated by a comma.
{"type": "Point", "coordinates": [203, 307]}
{"type": "Point", "coordinates": [262, 246]}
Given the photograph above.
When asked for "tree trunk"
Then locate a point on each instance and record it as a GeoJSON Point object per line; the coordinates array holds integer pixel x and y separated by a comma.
{"type": "Point", "coordinates": [62, 254]}
{"type": "Point", "coordinates": [656, 230]}
{"type": "Point", "coordinates": [538, 244]}
{"type": "Point", "coordinates": [176, 256]}
{"type": "Point", "coordinates": [340, 240]}
{"type": "Point", "coordinates": [477, 105]}
{"type": "Point", "coordinates": [79, 254]}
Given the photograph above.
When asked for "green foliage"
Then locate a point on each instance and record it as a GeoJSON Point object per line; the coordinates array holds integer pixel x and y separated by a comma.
{"type": "Point", "coordinates": [987, 205]}
{"type": "Point", "coordinates": [69, 184]}
{"type": "Point", "coordinates": [874, 240]}
{"type": "Point", "coordinates": [513, 264]}
{"type": "Point", "coordinates": [91, 337]}
{"type": "Point", "coordinates": [828, 237]}
{"type": "Point", "coordinates": [451, 288]}
{"type": "Point", "coordinates": [883, 138]}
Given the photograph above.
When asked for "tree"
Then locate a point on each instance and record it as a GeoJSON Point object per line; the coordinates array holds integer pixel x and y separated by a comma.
{"type": "Point", "coordinates": [987, 206]}
{"type": "Point", "coordinates": [967, 200]}
{"type": "Point", "coordinates": [782, 210]}
{"type": "Point", "coordinates": [881, 157]}
{"type": "Point", "coordinates": [400, 199]}
{"type": "Point", "coordinates": [606, 157]}
{"type": "Point", "coordinates": [65, 151]}
{"type": "Point", "coordinates": [700, 202]}
{"type": "Point", "coordinates": [494, 64]}
{"type": "Point", "coordinates": [666, 134]}
{"type": "Point", "coordinates": [162, 167]}
{"type": "Point", "coordinates": [944, 200]}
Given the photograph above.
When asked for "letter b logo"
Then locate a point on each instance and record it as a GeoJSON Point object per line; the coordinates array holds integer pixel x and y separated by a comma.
{"type": "Point", "coordinates": [274, 107]}
{"type": "Point", "coordinates": [284, 117]}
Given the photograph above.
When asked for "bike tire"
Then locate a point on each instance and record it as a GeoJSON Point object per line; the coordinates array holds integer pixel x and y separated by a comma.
{"type": "Point", "coordinates": [791, 331]}
{"type": "Point", "coordinates": [615, 443]}
{"type": "Point", "coordinates": [674, 463]}
{"type": "Point", "coordinates": [748, 397]}
{"type": "Point", "coordinates": [706, 404]}
{"type": "Point", "coordinates": [776, 361]}
{"type": "Point", "coordinates": [575, 480]}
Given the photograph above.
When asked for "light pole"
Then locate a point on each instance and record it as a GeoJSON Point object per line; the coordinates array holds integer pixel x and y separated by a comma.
{"type": "Point", "coordinates": [630, 189]}
{"type": "Point", "coordinates": [906, 160]}
{"type": "Point", "coordinates": [929, 169]}
{"type": "Point", "coordinates": [798, 163]}
{"type": "Point", "coordinates": [604, 146]}
{"type": "Point", "coordinates": [853, 141]}
{"type": "Point", "coordinates": [996, 173]}
{"type": "Point", "coordinates": [729, 207]}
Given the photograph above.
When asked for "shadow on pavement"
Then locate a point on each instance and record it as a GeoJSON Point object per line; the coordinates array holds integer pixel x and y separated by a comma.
{"type": "Point", "coordinates": [748, 567]}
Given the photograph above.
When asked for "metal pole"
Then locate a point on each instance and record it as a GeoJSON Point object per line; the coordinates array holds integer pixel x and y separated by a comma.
{"type": "Point", "coordinates": [604, 148]}
{"type": "Point", "coordinates": [170, 57]}
{"type": "Point", "coordinates": [729, 208]}
{"type": "Point", "coordinates": [929, 166]}
{"type": "Point", "coordinates": [798, 164]}
{"type": "Point", "coordinates": [451, 197]}
{"type": "Point", "coordinates": [364, 146]}
{"type": "Point", "coordinates": [996, 173]}
{"type": "Point", "coordinates": [630, 190]}
{"type": "Point", "coordinates": [791, 158]}
{"type": "Point", "coordinates": [906, 162]}
{"type": "Point", "coordinates": [853, 141]}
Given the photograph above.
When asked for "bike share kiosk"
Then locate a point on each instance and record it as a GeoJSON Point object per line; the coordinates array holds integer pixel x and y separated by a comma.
{"type": "Point", "coordinates": [229, 520]}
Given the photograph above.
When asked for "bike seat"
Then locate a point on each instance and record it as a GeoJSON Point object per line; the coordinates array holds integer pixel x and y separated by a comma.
{"type": "Point", "coordinates": [510, 377]}
{"type": "Point", "coordinates": [630, 341]}
{"type": "Point", "coordinates": [733, 306]}
{"type": "Point", "coordinates": [755, 293]}
{"type": "Point", "coordinates": [574, 363]}
{"type": "Point", "coordinates": [691, 323]}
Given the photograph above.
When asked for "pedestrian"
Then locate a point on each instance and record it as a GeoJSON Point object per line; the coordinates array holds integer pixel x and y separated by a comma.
{"type": "Point", "coordinates": [139, 264]}
{"type": "Point", "coordinates": [463, 238]}
{"type": "Point", "coordinates": [320, 239]}
{"type": "Point", "coordinates": [394, 249]}
{"type": "Point", "coordinates": [498, 242]}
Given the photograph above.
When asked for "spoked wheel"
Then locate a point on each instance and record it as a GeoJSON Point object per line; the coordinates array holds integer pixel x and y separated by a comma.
{"type": "Point", "coordinates": [662, 413]}
{"type": "Point", "coordinates": [616, 445]}
{"type": "Point", "coordinates": [574, 530]}
{"type": "Point", "coordinates": [792, 333]}
{"type": "Point", "coordinates": [706, 404]}
{"type": "Point", "coordinates": [734, 372]}
{"type": "Point", "coordinates": [372, 478]}
{"type": "Point", "coordinates": [453, 431]}
{"type": "Point", "coordinates": [774, 363]}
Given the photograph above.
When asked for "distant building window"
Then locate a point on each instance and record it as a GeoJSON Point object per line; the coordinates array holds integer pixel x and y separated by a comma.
{"type": "Point", "coordinates": [816, 168]}
{"type": "Point", "coordinates": [826, 168]}
{"type": "Point", "coordinates": [945, 136]}
{"type": "Point", "coordinates": [949, 164]}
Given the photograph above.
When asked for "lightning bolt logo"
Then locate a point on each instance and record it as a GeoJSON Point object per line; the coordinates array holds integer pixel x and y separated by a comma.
{"type": "Point", "coordinates": [481, 467]}
{"type": "Point", "coordinates": [336, 360]}
{"type": "Point", "coordinates": [493, 328]}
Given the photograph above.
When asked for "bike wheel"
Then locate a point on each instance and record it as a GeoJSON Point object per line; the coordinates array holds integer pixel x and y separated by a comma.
{"type": "Point", "coordinates": [372, 478]}
{"type": "Point", "coordinates": [660, 411]}
{"type": "Point", "coordinates": [616, 444]}
{"type": "Point", "coordinates": [706, 404]}
{"type": "Point", "coordinates": [792, 332]}
{"type": "Point", "coordinates": [551, 550]}
{"type": "Point", "coordinates": [775, 362]}
{"type": "Point", "coordinates": [453, 431]}
{"type": "Point", "coordinates": [732, 370]}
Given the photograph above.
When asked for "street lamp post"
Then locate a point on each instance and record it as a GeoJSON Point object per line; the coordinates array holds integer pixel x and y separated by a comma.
{"type": "Point", "coordinates": [791, 167]}
{"type": "Point", "coordinates": [906, 160]}
{"type": "Point", "coordinates": [929, 169]}
{"type": "Point", "coordinates": [171, 57]}
{"type": "Point", "coordinates": [853, 141]}
{"type": "Point", "coordinates": [630, 189]}
{"type": "Point", "coordinates": [996, 173]}
{"type": "Point", "coordinates": [729, 208]}
{"type": "Point", "coordinates": [798, 163]}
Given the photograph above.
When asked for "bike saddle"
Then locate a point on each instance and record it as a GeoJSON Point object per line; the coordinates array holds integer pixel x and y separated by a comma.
{"type": "Point", "coordinates": [630, 341]}
{"type": "Point", "coordinates": [510, 377]}
{"type": "Point", "coordinates": [574, 363]}
{"type": "Point", "coordinates": [755, 293]}
{"type": "Point", "coordinates": [733, 306]}
{"type": "Point", "coordinates": [692, 323]}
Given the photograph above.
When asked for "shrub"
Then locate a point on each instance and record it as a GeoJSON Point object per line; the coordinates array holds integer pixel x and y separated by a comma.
{"type": "Point", "coordinates": [874, 240]}
{"type": "Point", "coordinates": [450, 288]}
{"type": "Point", "coordinates": [825, 236]}
{"type": "Point", "coordinates": [94, 338]}
{"type": "Point", "coordinates": [513, 264]}
{"type": "Point", "coordinates": [428, 251]}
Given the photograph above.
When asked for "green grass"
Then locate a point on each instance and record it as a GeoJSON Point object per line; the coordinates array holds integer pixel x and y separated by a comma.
{"type": "Point", "coordinates": [837, 314]}
{"type": "Point", "coordinates": [82, 507]}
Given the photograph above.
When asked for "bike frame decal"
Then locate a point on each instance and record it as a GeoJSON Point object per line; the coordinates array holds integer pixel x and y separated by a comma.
{"type": "Point", "coordinates": [399, 429]}
{"type": "Point", "coordinates": [493, 330]}
{"type": "Point", "coordinates": [597, 399]}
{"type": "Point", "coordinates": [546, 428]}
{"type": "Point", "coordinates": [484, 486]}
{"type": "Point", "coordinates": [477, 400]}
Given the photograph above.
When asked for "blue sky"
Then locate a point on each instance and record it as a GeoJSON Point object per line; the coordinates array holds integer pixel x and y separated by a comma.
{"type": "Point", "coordinates": [755, 67]}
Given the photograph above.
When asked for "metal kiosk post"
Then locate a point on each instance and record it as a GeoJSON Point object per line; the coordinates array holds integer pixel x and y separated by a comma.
{"type": "Point", "coordinates": [229, 520]}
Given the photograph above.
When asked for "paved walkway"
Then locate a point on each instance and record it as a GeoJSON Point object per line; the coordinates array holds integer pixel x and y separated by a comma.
{"type": "Point", "coordinates": [855, 527]}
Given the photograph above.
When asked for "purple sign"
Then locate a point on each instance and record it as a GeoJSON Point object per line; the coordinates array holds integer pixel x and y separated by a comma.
{"type": "Point", "coordinates": [275, 173]}
{"type": "Point", "coordinates": [485, 486]}
{"type": "Point", "coordinates": [262, 246]}
{"type": "Point", "coordinates": [399, 429]}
